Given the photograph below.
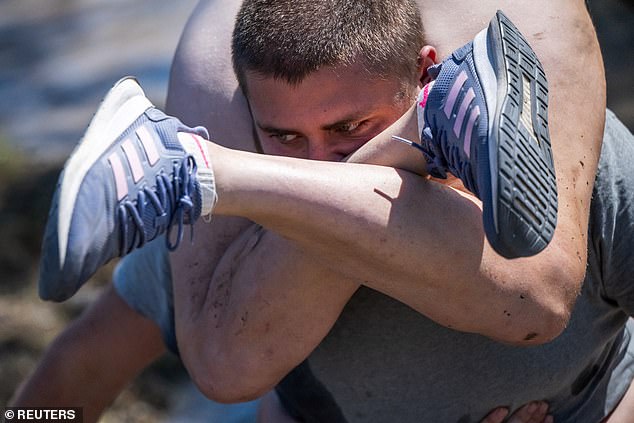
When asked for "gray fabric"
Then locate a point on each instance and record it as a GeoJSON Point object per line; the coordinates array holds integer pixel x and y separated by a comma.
{"type": "Point", "coordinates": [144, 280]}
{"type": "Point", "coordinates": [383, 362]}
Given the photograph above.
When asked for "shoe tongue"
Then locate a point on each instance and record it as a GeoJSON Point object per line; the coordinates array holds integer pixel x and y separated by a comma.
{"type": "Point", "coordinates": [201, 131]}
{"type": "Point", "coordinates": [165, 127]}
{"type": "Point", "coordinates": [434, 70]}
{"type": "Point", "coordinates": [152, 221]}
{"type": "Point", "coordinates": [133, 235]}
{"type": "Point", "coordinates": [461, 53]}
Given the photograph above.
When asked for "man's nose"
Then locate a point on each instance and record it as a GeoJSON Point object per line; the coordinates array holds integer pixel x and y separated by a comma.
{"type": "Point", "coordinates": [325, 151]}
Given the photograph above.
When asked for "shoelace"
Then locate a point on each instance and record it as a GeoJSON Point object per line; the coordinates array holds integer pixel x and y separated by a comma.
{"type": "Point", "coordinates": [173, 196]}
{"type": "Point", "coordinates": [444, 157]}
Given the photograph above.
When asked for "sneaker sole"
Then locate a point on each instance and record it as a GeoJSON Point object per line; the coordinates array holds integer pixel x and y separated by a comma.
{"type": "Point", "coordinates": [522, 219]}
{"type": "Point", "coordinates": [123, 104]}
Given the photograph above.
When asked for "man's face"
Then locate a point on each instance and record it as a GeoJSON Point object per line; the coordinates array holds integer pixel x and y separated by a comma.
{"type": "Point", "coordinates": [329, 115]}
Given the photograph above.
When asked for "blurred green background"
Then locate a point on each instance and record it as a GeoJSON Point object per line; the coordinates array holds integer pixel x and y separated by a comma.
{"type": "Point", "coordinates": [57, 59]}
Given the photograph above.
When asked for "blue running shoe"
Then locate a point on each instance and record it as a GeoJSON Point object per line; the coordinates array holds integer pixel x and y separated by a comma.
{"type": "Point", "coordinates": [486, 122]}
{"type": "Point", "coordinates": [135, 175]}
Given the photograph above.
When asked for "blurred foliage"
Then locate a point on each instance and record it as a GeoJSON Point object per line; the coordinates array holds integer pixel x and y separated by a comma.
{"type": "Point", "coordinates": [26, 190]}
{"type": "Point", "coordinates": [11, 161]}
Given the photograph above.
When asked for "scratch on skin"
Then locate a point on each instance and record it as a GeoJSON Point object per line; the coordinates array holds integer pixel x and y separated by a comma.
{"type": "Point", "coordinates": [243, 323]}
{"type": "Point", "coordinates": [530, 336]}
{"type": "Point", "coordinates": [223, 281]}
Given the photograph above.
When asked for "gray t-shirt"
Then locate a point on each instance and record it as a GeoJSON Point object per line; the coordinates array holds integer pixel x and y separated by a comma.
{"type": "Point", "coordinates": [384, 362]}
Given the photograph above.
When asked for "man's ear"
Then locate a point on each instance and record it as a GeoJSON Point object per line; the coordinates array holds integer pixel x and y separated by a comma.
{"type": "Point", "coordinates": [426, 58]}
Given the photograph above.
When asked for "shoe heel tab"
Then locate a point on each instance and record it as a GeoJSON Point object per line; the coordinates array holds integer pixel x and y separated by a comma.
{"type": "Point", "coordinates": [129, 84]}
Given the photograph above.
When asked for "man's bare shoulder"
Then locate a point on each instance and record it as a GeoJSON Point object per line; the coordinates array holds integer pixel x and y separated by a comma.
{"type": "Point", "coordinates": [452, 23]}
{"type": "Point", "coordinates": [203, 89]}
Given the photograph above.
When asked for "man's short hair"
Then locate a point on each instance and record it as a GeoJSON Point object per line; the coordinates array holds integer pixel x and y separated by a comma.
{"type": "Point", "coordinates": [290, 39]}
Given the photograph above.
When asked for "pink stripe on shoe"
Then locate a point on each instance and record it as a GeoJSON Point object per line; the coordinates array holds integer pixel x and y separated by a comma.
{"type": "Point", "coordinates": [423, 96]}
{"type": "Point", "coordinates": [147, 142]}
{"type": "Point", "coordinates": [120, 181]}
{"type": "Point", "coordinates": [133, 160]}
{"type": "Point", "coordinates": [475, 113]}
{"type": "Point", "coordinates": [453, 93]}
{"type": "Point", "coordinates": [198, 141]}
{"type": "Point", "coordinates": [466, 101]}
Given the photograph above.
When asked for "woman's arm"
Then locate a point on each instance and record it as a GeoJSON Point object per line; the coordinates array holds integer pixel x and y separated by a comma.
{"type": "Point", "coordinates": [93, 359]}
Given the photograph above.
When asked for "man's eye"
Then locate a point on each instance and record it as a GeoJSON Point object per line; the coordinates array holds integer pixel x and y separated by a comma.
{"type": "Point", "coordinates": [349, 127]}
{"type": "Point", "coordinates": [285, 138]}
